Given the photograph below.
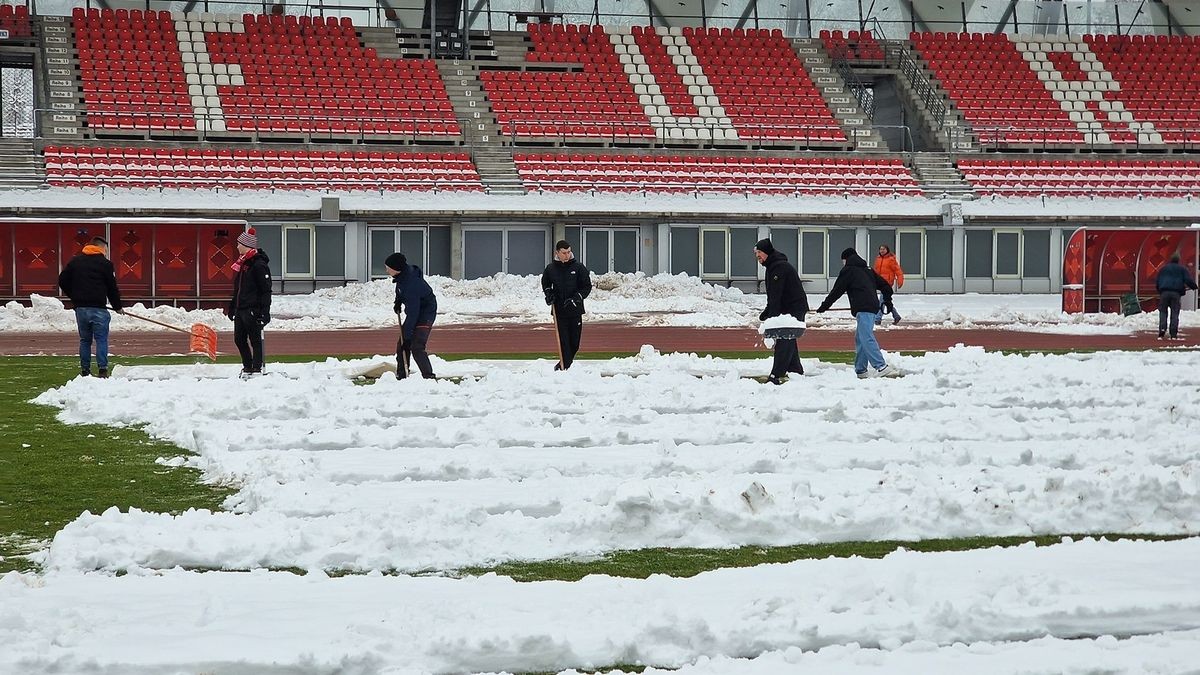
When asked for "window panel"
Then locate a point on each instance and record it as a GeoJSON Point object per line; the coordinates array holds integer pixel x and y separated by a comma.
{"type": "Point", "coordinates": [812, 261]}
{"type": "Point", "coordinates": [596, 251]}
{"type": "Point", "coordinates": [787, 242]}
{"type": "Point", "coordinates": [979, 254]}
{"type": "Point", "coordinates": [939, 254]}
{"type": "Point", "coordinates": [298, 247]}
{"type": "Point", "coordinates": [714, 253]}
{"type": "Point", "coordinates": [527, 252]}
{"type": "Point", "coordinates": [1008, 253]}
{"type": "Point", "coordinates": [1037, 254]}
{"type": "Point", "coordinates": [839, 240]}
{"type": "Point", "coordinates": [412, 244]}
{"type": "Point", "coordinates": [331, 251]}
{"type": "Point", "coordinates": [685, 250]}
{"type": "Point", "coordinates": [910, 252]}
{"type": "Point", "coordinates": [742, 262]}
{"type": "Point", "coordinates": [625, 250]}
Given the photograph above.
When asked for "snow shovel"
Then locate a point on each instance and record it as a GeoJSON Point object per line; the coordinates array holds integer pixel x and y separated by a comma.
{"type": "Point", "coordinates": [203, 337]}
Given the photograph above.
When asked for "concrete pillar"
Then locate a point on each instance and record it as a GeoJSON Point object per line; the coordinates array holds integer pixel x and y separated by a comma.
{"type": "Point", "coordinates": [664, 247]}
{"type": "Point", "coordinates": [959, 259]}
{"type": "Point", "coordinates": [1056, 259]}
{"type": "Point", "coordinates": [456, 250]}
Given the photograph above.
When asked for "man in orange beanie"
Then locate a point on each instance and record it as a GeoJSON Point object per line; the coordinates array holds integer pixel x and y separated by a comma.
{"type": "Point", "coordinates": [90, 281]}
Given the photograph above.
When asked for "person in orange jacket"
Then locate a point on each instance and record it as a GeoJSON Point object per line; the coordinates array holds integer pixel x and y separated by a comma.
{"type": "Point", "coordinates": [888, 267]}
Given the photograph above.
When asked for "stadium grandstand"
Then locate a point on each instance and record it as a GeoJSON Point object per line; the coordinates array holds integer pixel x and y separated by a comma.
{"type": "Point", "coordinates": [973, 138]}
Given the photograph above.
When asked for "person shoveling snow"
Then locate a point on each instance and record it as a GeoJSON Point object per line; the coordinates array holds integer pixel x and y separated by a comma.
{"type": "Point", "coordinates": [787, 305]}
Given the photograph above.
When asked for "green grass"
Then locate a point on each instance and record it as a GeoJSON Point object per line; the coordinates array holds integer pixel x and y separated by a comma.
{"type": "Point", "coordinates": [687, 562]}
{"type": "Point", "coordinates": [51, 472]}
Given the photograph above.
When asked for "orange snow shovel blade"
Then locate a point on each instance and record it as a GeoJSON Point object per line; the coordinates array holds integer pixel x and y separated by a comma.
{"type": "Point", "coordinates": [203, 341]}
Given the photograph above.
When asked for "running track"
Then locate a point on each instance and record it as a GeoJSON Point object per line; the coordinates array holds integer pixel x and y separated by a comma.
{"type": "Point", "coordinates": [597, 337]}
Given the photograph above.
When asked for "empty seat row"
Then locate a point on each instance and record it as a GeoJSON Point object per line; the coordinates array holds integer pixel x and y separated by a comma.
{"type": "Point", "coordinates": [1083, 178]}
{"type": "Point", "coordinates": [68, 166]}
{"type": "Point", "coordinates": [673, 173]}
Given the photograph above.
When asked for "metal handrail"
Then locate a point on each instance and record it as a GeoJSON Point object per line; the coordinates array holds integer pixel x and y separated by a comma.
{"type": "Point", "coordinates": [991, 135]}
{"type": "Point", "coordinates": [376, 15]}
{"type": "Point", "coordinates": [921, 85]}
{"type": "Point", "coordinates": [359, 126]}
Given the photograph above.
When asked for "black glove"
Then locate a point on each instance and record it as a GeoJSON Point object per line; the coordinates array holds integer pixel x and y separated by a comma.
{"type": "Point", "coordinates": [549, 296]}
{"type": "Point", "coordinates": [889, 308]}
{"type": "Point", "coordinates": [264, 318]}
{"type": "Point", "coordinates": [762, 316]}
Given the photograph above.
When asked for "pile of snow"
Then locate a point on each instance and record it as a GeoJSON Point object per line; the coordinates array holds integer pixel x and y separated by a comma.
{"type": "Point", "coordinates": [515, 462]}
{"type": "Point", "coordinates": [986, 611]}
{"type": "Point", "coordinates": [518, 463]}
{"type": "Point", "coordinates": [658, 300]}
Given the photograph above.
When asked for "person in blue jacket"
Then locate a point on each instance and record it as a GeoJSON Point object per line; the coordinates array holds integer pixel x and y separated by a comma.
{"type": "Point", "coordinates": [1172, 282]}
{"type": "Point", "coordinates": [416, 300]}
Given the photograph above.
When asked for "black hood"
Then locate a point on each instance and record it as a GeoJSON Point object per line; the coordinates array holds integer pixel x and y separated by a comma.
{"type": "Point", "coordinates": [774, 257]}
{"type": "Point", "coordinates": [406, 271]}
{"type": "Point", "coordinates": [855, 260]}
{"type": "Point", "coordinates": [262, 254]}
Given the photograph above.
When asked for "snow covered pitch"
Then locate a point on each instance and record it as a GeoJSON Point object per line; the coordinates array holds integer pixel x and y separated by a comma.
{"type": "Point", "coordinates": [515, 463]}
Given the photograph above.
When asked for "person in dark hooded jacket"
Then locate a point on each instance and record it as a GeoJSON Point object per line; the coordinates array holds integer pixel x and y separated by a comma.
{"type": "Point", "coordinates": [90, 281]}
{"type": "Point", "coordinates": [1172, 282]}
{"type": "Point", "coordinates": [785, 295]}
{"type": "Point", "coordinates": [860, 284]}
{"type": "Point", "coordinates": [419, 305]}
{"type": "Point", "coordinates": [250, 307]}
{"type": "Point", "coordinates": [565, 283]}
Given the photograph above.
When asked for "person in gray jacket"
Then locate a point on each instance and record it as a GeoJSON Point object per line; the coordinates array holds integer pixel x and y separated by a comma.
{"type": "Point", "coordinates": [1172, 282]}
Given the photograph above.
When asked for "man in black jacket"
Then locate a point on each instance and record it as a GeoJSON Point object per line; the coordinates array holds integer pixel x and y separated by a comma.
{"type": "Point", "coordinates": [785, 295]}
{"type": "Point", "coordinates": [1172, 282]}
{"type": "Point", "coordinates": [860, 283]}
{"type": "Point", "coordinates": [250, 307]}
{"type": "Point", "coordinates": [90, 281]}
{"type": "Point", "coordinates": [419, 304]}
{"type": "Point", "coordinates": [565, 283]}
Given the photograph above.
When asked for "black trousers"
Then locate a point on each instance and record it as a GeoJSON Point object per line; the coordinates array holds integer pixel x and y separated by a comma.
{"type": "Point", "coordinates": [787, 358]}
{"type": "Point", "coordinates": [570, 332]}
{"type": "Point", "coordinates": [414, 350]}
{"type": "Point", "coordinates": [1168, 300]}
{"type": "Point", "coordinates": [248, 336]}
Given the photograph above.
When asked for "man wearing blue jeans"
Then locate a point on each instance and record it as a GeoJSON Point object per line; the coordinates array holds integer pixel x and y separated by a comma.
{"type": "Point", "coordinates": [860, 284]}
{"type": "Point", "coordinates": [90, 281]}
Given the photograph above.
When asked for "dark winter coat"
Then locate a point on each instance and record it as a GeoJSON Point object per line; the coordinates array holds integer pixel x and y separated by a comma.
{"type": "Point", "coordinates": [785, 292]}
{"type": "Point", "coordinates": [859, 283]}
{"type": "Point", "coordinates": [1174, 277]}
{"type": "Point", "coordinates": [90, 280]}
{"type": "Point", "coordinates": [416, 298]}
{"type": "Point", "coordinates": [252, 289]}
{"type": "Point", "coordinates": [566, 284]}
